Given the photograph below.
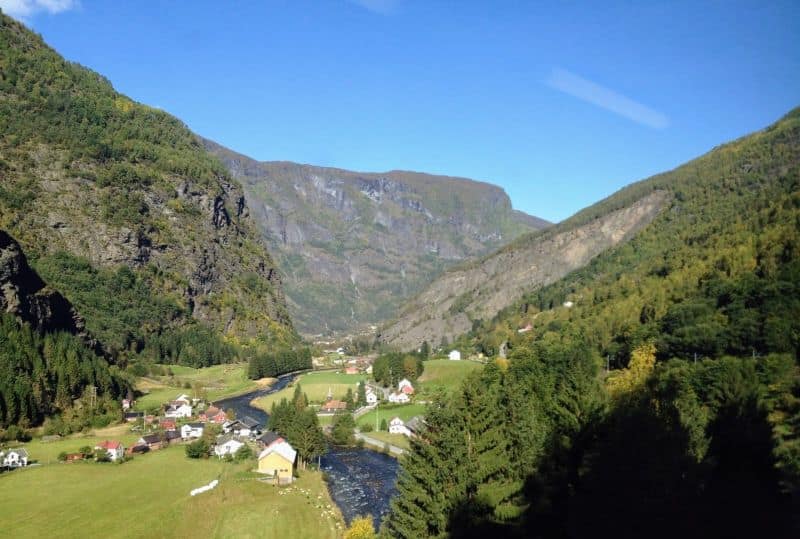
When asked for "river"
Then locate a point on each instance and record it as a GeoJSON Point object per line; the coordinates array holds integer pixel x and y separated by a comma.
{"type": "Point", "coordinates": [360, 481]}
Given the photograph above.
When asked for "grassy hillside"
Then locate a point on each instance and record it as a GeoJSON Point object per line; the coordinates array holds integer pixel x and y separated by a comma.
{"type": "Point", "coordinates": [120, 207]}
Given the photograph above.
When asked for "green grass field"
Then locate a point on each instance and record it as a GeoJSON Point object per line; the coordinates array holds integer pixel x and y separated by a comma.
{"type": "Point", "coordinates": [218, 381]}
{"type": "Point", "coordinates": [315, 385]}
{"type": "Point", "coordinates": [400, 440]}
{"type": "Point", "coordinates": [444, 374]}
{"type": "Point", "coordinates": [388, 411]}
{"type": "Point", "coordinates": [47, 452]}
{"type": "Point", "coordinates": [149, 497]}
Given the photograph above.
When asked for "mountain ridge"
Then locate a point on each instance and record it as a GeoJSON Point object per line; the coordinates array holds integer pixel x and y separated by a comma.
{"type": "Point", "coordinates": [352, 245]}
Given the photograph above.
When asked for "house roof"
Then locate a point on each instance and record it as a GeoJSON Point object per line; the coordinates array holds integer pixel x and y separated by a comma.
{"type": "Point", "coordinates": [225, 438]}
{"type": "Point", "coordinates": [283, 449]}
{"type": "Point", "coordinates": [396, 420]}
{"type": "Point", "coordinates": [150, 438]}
{"type": "Point", "coordinates": [269, 437]}
{"type": "Point", "coordinates": [172, 435]}
{"type": "Point", "coordinates": [109, 444]}
{"type": "Point", "coordinates": [21, 451]}
{"type": "Point", "coordinates": [415, 423]}
{"type": "Point", "coordinates": [133, 414]}
{"type": "Point", "coordinates": [194, 425]}
{"type": "Point", "coordinates": [249, 422]}
{"type": "Point", "coordinates": [334, 405]}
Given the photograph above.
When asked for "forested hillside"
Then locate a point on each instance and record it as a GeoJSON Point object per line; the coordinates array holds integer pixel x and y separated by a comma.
{"type": "Point", "coordinates": [694, 432]}
{"type": "Point", "coordinates": [120, 207]}
{"type": "Point", "coordinates": [48, 362]}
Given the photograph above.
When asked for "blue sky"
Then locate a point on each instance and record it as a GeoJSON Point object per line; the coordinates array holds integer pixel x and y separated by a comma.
{"type": "Point", "coordinates": [559, 103]}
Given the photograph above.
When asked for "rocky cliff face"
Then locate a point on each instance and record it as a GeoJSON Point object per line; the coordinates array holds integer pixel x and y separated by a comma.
{"type": "Point", "coordinates": [25, 295]}
{"type": "Point", "coordinates": [354, 246]}
{"type": "Point", "coordinates": [478, 291]}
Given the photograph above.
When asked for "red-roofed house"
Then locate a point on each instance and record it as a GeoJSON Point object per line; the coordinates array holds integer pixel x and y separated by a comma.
{"type": "Point", "coordinates": [212, 414]}
{"type": "Point", "coordinates": [168, 424]}
{"type": "Point", "coordinates": [113, 447]}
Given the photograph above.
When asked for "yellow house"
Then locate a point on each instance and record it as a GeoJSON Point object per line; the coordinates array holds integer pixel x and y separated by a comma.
{"type": "Point", "coordinates": [277, 460]}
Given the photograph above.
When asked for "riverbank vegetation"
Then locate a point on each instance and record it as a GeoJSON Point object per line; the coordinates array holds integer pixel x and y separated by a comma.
{"type": "Point", "coordinates": [316, 386]}
{"type": "Point", "coordinates": [299, 425]}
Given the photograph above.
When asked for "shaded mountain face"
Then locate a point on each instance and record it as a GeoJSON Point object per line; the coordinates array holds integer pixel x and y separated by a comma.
{"type": "Point", "coordinates": [667, 250]}
{"type": "Point", "coordinates": [26, 296]}
{"type": "Point", "coordinates": [93, 183]}
{"type": "Point", "coordinates": [354, 246]}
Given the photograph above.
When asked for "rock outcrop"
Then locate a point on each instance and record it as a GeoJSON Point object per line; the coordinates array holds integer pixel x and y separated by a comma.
{"type": "Point", "coordinates": [25, 295]}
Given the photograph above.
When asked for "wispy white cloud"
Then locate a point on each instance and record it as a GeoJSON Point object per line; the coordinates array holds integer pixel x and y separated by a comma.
{"type": "Point", "coordinates": [384, 7]}
{"type": "Point", "coordinates": [605, 98]}
{"type": "Point", "coordinates": [26, 8]}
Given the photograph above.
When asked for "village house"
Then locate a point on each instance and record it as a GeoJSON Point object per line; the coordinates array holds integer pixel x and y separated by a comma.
{"type": "Point", "coordinates": [168, 424]}
{"type": "Point", "coordinates": [333, 406]}
{"type": "Point", "coordinates": [399, 397]}
{"type": "Point", "coordinates": [150, 441]}
{"type": "Point", "coordinates": [212, 414]}
{"type": "Point", "coordinates": [246, 426]}
{"type": "Point", "coordinates": [277, 461]}
{"type": "Point", "coordinates": [182, 399]}
{"type": "Point", "coordinates": [74, 457]}
{"type": "Point", "coordinates": [398, 426]}
{"type": "Point", "coordinates": [15, 458]}
{"type": "Point", "coordinates": [172, 437]}
{"type": "Point", "coordinates": [126, 404]}
{"type": "Point", "coordinates": [132, 417]}
{"type": "Point", "coordinates": [405, 386]}
{"type": "Point", "coordinates": [372, 398]}
{"type": "Point", "coordinates": [114, 449]}
{"type": "Point", "coordinates": [454, 355]}
{"type": "Point", "coordinates": [351, 369]}
{"type": "Point", "coordinates": [227, 445]}
{"type": "Point", "coordinates": [192, 430]}
{"type": "Point", "coordinates": [176, 409]}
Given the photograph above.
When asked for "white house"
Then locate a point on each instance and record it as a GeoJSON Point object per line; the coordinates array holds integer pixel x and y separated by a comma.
{"type": "Point", "coordinates": [454, 355]}
{"type": "Point", "coordinates": [227, 445]}
{"type": "Point", "coordinates": [114, 449]}
{"type": "Point", "coordinates": [15, 458]}
{"type": "Point", "coordinates": [175, 410]}
{"type": "Point", "coordinates": [403, 384]}
{"type": "Point", "coordinates": [372, 398]}
{"type": "Point", "coordinates": [192, 430]}
{"type": "Point", "coordinates": [397, 426]}
{"type": "Point", "coordinates": [399, 397]}
{"type": "Point", "coordinates": [183, 398]}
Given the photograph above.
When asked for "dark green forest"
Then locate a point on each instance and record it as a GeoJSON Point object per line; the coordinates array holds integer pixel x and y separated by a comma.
{"type": "Point", "coordinates": [42, 375]}
{"type": "Point", "coordinates": [664, 402]}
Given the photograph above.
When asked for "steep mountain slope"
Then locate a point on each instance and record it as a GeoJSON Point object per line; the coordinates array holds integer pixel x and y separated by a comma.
{"type": "Point", "coordinates": [47, 358]}
{"type": "Point", "coordinates": [695, 203]}
{"type": "Point", "coordinates": [122, 210]}
{"type": "Point", "coordinates": [717, 272]}
{"type": "Point", "coordinates": [353, 246]}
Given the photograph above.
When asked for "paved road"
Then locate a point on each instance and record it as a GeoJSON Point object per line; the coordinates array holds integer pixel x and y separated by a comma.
{"type": "Point", "coordinates": [374, 441]}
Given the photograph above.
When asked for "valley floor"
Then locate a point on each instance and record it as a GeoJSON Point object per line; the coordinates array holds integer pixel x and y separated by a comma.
{"type": "Point", "coordinates": [149, 497]}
